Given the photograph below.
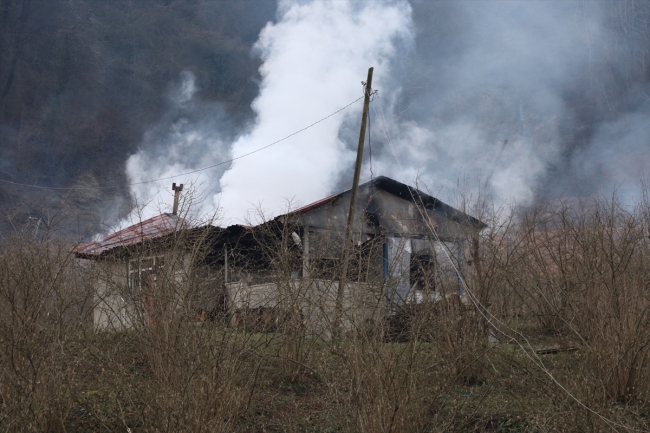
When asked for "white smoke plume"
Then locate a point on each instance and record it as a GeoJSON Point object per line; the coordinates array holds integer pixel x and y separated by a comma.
{"type": "Point", "coordinates": [562, 82]}
{"type": "Point", "coordinates": [523, 98]}
{"type": "Point", "coordinates": [455, 122]}
{"type": "Point", "coordinates": [314, 60]}
{"type": "Point", "coordinates": [191, 135]}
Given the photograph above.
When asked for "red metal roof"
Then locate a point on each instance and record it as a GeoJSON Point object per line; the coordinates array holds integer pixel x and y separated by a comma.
{"type": "Point", "coordinates": [315, 204]}
{"type": "Point", "coordinates": [152, 228]}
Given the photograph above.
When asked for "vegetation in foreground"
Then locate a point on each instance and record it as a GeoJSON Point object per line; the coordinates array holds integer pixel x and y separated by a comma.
{"type": "Point", "coordinates": [561, 277]}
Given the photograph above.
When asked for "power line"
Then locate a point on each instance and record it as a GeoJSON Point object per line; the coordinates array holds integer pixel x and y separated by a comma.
{"type": "Point", "coordinates": [191, 171]}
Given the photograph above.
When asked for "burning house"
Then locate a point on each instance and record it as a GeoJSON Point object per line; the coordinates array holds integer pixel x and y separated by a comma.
{"type": "Point", "coordinates": [132, 265]}
{"type": "Point", "coordinates": [406, 247]}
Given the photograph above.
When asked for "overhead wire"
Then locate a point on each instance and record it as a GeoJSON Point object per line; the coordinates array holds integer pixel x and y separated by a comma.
{"type": "Point", "coordinates": [489, 316]}
{"type": "Point", "coordinates": [187, 172]}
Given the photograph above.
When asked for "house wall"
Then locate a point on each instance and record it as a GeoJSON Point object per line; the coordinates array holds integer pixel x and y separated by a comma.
{"type": "Point", "coordinates": [113, 307]}
{"type": "Point", "coordinates": [407, 232]}
{"type": "Point", "coordinates": [314, 300]}
{"type": "Point", "coordinates": [123, 303]}
{"type": "Point", "coordinates": [395, 215]}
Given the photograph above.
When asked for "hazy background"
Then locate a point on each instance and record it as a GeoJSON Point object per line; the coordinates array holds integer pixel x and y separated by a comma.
{"type": "Point", "coordinates": [524, 100]}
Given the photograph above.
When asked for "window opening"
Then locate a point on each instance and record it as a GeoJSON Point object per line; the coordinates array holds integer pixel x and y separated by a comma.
{"type": "Point", "coordinates": [144, 272]}
{"type": "Point", "coordinates": [422, 272]}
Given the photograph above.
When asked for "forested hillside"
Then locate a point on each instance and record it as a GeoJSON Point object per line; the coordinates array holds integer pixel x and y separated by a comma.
{"type": "Point", "coordinates": [80, 81]}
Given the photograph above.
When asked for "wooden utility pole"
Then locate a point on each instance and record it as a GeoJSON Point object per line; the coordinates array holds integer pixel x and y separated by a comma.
{"type": "Point", "coordinates": [353, 202]}
{"type": "Point", "coordinates": [177, 192]}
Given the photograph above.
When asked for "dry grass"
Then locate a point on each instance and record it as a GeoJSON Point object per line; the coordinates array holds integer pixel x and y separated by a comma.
{"type": "Point", "coordinates": [558, 276]}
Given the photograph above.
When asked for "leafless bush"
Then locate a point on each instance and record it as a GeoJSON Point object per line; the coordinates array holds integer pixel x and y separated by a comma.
{"type": "Point", "coordinates": [604, 272]}
{"type": "Point", "coordinates": [581, 271]}
{"type": "Point", "coordinates": [200, 374]}
{"type": "Point", "coordinates": [205, 338]}
{"type": "Point", "coordinates": [44, 306]}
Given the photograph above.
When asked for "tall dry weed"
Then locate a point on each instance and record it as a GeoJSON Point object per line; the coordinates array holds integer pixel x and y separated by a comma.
{"type": "Point", "coordinates": [44, 307]}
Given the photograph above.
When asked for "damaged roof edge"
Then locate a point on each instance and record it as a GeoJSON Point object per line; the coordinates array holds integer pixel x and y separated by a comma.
{"type": "Point", "coordinates": [427, 201]}
{"type": "Point", "coordinates": [98, 250]}
{"type": "Point", "coordinates": [167, 224]}
{"type": "Point", "coordinates": [405, 192]}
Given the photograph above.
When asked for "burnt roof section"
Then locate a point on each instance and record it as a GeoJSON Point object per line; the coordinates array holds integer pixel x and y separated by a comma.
{"type": "Point", "coordinates": [166, 224]}
{"type": "Point", "coordinates": [153, 228]}
{"type": "Point", "coordinates": [157, 231]}
{"type": "Point", "coordinates": [405, 192]}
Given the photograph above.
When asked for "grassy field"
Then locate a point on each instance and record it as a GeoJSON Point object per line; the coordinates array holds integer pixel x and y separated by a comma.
{"type": "Point", "coordinates": [575, 282]}
{"type": "Point", "coordinates": [213, 378]}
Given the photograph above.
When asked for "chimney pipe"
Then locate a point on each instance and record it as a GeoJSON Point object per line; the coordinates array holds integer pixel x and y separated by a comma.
{"type": "Point", "coordinates": [177, 192]}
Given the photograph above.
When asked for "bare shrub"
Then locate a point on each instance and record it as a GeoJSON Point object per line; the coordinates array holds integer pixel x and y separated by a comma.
{"type": "Point", "coordinates": [582, 270]}
{"type": "Point", "coordinates": [610, 268]}
{"type": "Point", "coordinates": [44, 306]}
{"type": "Point", "coordinates": [182, 353]}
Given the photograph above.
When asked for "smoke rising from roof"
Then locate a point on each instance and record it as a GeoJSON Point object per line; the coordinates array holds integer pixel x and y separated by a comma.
{"type": "Point", "coordinates": [190, 135]}
{"type": "Point", "coordinates": [561, 81]}
{"type": "Point", "coordinates": [565, 83]}
{"type": "Point", "coordinates": [313, 58]}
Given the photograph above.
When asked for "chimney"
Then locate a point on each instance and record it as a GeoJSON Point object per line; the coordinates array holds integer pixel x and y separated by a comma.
{"type": "Point", "coordinates": [177, 193]}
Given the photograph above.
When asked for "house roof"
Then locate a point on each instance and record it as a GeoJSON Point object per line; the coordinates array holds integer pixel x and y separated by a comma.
{"type": "Point", "coordinates": [156, 227]}
{"type": "Point", "coordinates": [167, 223]}
{"type": "Point", "coordinates": [405, 192]}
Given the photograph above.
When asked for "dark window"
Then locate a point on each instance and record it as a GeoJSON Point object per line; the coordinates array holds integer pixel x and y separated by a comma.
{"type": "Point", "coordinates": [422, 272]}
{"type": "Point", "coordinates": [328, 269]}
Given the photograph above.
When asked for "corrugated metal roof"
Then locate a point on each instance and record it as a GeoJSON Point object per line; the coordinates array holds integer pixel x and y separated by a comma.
{"type": "Point", "coordinates": [152, 228]}
{"type": "Point", "coordinates": [315, 204]}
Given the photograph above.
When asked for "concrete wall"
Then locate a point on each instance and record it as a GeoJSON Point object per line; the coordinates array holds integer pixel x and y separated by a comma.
{"type": "Point", "coordinates": [120, 305]}
{"type": "Point", "coordinates": [315, 300]}
{"type": "Point", "coordinates": [113, 309]}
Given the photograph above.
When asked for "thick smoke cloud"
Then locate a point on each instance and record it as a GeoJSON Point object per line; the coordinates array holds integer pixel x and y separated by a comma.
{"type": "Point", "coordinates": [313, 59]}
{"type": "Point", "coordinates": [618, 156]}
{"type": "Point", "coordinates": [566, 83]}
{"type": "Point", "coordinates": [191, 135]}
{"type": "Point", "coordinates": [525, 100]}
